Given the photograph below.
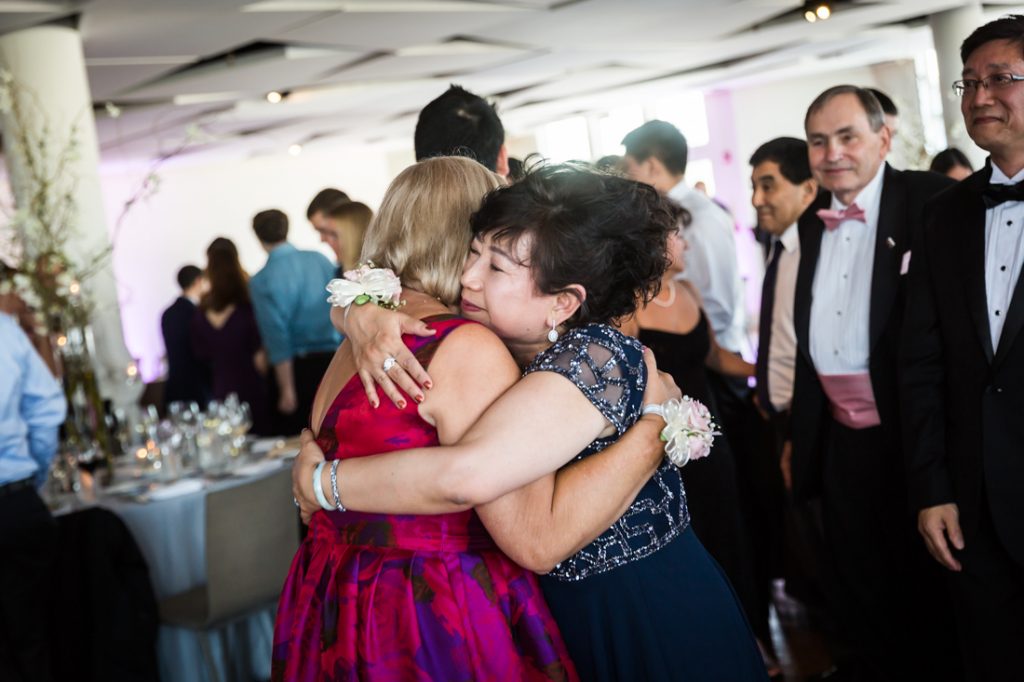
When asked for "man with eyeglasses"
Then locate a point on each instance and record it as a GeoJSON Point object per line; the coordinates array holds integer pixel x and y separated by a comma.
{"type": "Point", "coordinates": [962, 363]}
{"type": "Point", "coordinates": [845, 412]}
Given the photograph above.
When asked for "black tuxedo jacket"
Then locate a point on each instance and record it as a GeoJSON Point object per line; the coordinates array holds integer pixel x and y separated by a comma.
{"type": "Point", "coordinates": [901, 213]}
{"type": "Point", "coordinates": [963, 400]}
{"type": "Point", "coordinates": [188, 378]}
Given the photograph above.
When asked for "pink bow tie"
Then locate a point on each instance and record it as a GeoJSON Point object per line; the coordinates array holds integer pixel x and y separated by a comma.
{"type": "Point", "coordinates": [833, 218]}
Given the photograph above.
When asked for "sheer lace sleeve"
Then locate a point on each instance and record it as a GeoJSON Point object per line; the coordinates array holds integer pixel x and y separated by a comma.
{"type": "Point", "coordinates": [605, 365]}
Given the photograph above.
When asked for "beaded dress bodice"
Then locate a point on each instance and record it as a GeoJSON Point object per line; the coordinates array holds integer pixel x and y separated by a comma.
{"type": "Point", "coordinates": [608, 368]}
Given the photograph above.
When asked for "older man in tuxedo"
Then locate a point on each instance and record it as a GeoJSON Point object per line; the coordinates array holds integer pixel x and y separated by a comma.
{"type": "Point", "coordinates": [963, 364]}
{"type": "Point", "coordinates": [846, 423]}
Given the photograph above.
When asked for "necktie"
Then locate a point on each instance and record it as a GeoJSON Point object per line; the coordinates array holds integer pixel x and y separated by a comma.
{"type": "Point", "coordinates": [832, 219]}
{"type": "Point", "coordinates": [993, 195]}
{"type": "Point", "coordinates": [764, 332]}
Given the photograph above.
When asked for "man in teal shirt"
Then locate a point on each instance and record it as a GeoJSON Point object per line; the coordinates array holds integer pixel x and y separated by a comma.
{"type": "Point", "coordinates": [289, 298]}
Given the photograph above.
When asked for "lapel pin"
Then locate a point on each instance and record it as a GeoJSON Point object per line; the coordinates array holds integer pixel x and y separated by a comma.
{"type": "Point", "coordinates": [890, 242]}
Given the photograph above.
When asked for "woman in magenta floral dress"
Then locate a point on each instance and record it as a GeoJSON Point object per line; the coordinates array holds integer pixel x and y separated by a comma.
{"type": "Point", "coordinates": [386, 597]}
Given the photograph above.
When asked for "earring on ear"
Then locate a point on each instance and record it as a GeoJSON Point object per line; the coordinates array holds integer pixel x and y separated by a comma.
{"type": "Point", "coordinates": [553, 334]}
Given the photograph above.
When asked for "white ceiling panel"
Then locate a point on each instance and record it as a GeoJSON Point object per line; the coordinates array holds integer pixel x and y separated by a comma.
{"type": "Point", "coordinates": [109, 80]}
{"type": "Point", "coordinates": [153, 28]}
{"type": "Point", "coordinates": [356, 72]}
{"type": "Point", "coordinates": [389, 31]}
{"type": "Point", "coordinates": [274, 68]}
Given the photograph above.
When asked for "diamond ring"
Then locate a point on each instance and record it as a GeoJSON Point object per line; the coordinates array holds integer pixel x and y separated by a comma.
{"type": "Point", "coordinates": [295, 501]}
{"type": "Point", "coordinates": [389, 362]}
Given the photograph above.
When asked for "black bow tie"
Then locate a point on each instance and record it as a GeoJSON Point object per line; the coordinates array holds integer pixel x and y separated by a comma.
{"type": "Point", "coordinates": [993, 195]}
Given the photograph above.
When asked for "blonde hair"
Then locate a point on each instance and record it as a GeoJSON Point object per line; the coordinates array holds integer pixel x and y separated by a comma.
{"type": "Point", "coordinates": [422, 229]}
{"type": "Point", "coordinates": [349, 222]}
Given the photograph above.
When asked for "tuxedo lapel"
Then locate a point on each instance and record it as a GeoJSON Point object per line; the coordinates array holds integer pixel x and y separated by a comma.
{"type": "Point", "coordinates": [972, 221]}
{"type": "Point", "coordinates": [811, 228]}
{"type": "Point", "coordinates": [890, 246]}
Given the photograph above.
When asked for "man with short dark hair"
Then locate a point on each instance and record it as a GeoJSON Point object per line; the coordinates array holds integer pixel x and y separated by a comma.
{"type": "Point", "coordinates": [290, 302]}
{"type": "Point", "coordinates": [188, 377]}
{"type": "Point", "coordinates": [889, 110]}
{"type": "Point", "coordinates": [962, 362]}
{"type": "Point", "coordinates": [656, 153]}
{"type": "Point", "coordinates": [846, 417]}
{"type": "Point", "coordinates": [316, 213]}
{"type": "Point", "coordinates": [459, 123]}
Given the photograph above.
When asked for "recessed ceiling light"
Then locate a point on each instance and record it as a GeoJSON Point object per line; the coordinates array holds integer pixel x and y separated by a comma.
{"type": "Point", "coordinates": [274, 97]}
{"type": "Point", "coordinates": [295, 149]}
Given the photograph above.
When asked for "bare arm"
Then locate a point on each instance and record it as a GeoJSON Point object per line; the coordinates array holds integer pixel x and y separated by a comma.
{"type": "Point", "coordinates": [533, 429]}
{"type": "Point", "coordinates": [554, 517]}
{"type": "Point", "coordinates": [287, 401]}
{"type": "Point", "coordinates": [376, 334]}
{"type": "Point", "coordinates": [724, 362]}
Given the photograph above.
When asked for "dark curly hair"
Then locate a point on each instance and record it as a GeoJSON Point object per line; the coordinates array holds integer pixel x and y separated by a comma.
{"type": "Point", "coordinates": [589, 228]}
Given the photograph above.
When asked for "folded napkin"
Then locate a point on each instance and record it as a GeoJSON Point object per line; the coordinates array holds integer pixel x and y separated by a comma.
{"type": "Point", "coordinates": [177, 489]}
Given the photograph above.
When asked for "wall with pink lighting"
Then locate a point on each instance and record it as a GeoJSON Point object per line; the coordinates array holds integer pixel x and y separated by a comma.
{"type": "Point", "coordinates": [198, 202]}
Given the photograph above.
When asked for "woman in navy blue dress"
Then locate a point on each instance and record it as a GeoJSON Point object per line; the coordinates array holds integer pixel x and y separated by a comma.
{"type": "Point", "coordinates": [554, 260]}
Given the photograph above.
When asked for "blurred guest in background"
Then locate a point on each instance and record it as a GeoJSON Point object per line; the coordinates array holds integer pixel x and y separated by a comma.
{"type": "Point", "coordinates": [459, 123]}
{"type": "Point", "coordinates": [32, 406]}
{"type": "Point", "coordinates": [952, 163]}
{"type": "Point", "coordinates": [316, 213]}
{"type": "Point", "coordinates": [188, 378]}
{"type": "Point", "coordinates": [289, 298]}
{"type": "Point", "coordinates": [224, 334]}
{"type": "Point", "coordinates": [347, 221]}
{"type": "Point", "coordinates": [889, 110]}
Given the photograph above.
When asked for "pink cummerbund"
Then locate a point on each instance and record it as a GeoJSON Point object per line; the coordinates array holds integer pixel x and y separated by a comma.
{"type": "Point", "coordinates": [852, 399]}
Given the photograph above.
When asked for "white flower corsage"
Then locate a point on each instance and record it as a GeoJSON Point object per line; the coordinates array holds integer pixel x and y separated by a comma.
{"type": "Point", "coordinates": [689, 429]}
{"type": "Point", "coordinates": [364, 285]}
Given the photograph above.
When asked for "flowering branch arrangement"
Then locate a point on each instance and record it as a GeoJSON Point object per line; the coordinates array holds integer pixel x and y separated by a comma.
{"type": "Point", "coordinates": [689, 431]}
{"type": "Point", "coordinates": [366, 284]}
{"type": "Point", "coordinates": [43, 221]}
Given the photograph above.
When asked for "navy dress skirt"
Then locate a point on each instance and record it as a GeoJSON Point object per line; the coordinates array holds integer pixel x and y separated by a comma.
{"type": "Point", "coordinates": [643, 601]}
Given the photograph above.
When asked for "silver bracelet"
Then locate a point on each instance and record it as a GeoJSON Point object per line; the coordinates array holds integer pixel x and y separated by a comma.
{"type": "Point", "coordinates": [334, 485]}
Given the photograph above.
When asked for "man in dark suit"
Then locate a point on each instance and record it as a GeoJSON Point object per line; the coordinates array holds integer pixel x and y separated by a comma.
{"type": "Point", "coordinates": [846, 427]}
{"type": "Point", "coordinates": [962, 363]}
{"type": "Point", "coordinates": [188, 378]}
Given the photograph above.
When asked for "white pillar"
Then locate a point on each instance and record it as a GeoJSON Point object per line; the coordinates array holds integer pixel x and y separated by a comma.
{"type": "Point", "coordinates": [949, 29]}
{"type": "Point", "coordinates": [48, 66]}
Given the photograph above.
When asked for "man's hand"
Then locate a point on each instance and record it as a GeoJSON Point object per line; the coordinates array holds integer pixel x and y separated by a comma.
{"type": "Point", "coordinates": [376, 335]}
{"type": "Point", "coordinates": [309, 456]}
{"type": "Point", "coordinates": [287, 403]}
{"type": "Point", "coordinates": [786, 465]}
{"type": "Point", "coordinates": [935, 524]}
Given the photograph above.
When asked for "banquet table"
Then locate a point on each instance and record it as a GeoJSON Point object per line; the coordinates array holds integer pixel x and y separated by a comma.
{"type": "Point", "coordinates": [168, 522]}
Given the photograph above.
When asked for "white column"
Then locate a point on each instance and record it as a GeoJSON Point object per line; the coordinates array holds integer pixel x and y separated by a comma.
{"type": "Point", "coordinates": [48, 65]}
{"type": "Point", "coordinates": [949, 29]}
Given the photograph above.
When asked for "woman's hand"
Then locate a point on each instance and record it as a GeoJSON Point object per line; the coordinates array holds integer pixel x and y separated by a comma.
{"type": "Point", "coordinates": [661, 387]}
{"type": "Point", "coordinates": [376, 335]}
{"type": "Point", "coordinates": [309, 456]}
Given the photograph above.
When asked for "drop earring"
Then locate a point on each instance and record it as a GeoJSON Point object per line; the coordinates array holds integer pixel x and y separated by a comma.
{"type": "Point", "coordinates": [553, 334]}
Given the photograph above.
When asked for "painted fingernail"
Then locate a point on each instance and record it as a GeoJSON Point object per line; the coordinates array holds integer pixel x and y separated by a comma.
{"type": "Point", "coordinates": [428, 384]}
{"type": "Point", "coordinates": [401, 404]}
{"type": "Point", "coordinates": [420, 398]}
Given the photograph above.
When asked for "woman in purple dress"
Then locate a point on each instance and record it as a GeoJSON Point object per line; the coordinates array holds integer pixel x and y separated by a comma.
{"type": "Point", "coordinates": [225, 335]}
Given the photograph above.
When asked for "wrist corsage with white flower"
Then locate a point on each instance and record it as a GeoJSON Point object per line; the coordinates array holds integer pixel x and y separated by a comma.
{"type": "Point", "coordinates": [366, 284]}
{"type": "Point", "coordinates": [689, 431]}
